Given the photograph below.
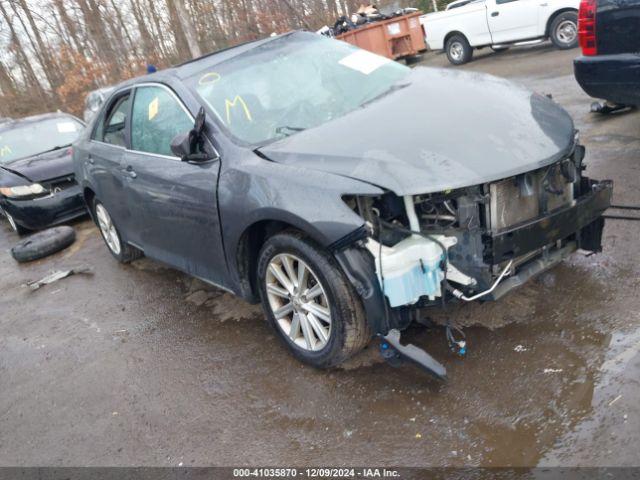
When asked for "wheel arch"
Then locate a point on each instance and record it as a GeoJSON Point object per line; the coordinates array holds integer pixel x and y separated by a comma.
{"type": "Point", "coordinates": [451, 34]}
{"type": "Point", "coordinates": [88, 194]}
{"type": "Point", "coordinates": [250, 242]}
{"type": "Point", "coordinates": [554, 15]}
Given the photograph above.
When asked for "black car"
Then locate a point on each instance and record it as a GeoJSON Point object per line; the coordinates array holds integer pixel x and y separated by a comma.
{"type": "Point", "coordinates": [326, 181]}
{"type": "Point", "coordinates": [609, 33]}
{"type": "Point", "coordinates": [37, 182]}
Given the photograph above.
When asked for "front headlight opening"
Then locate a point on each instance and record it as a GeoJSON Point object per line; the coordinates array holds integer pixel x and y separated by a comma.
{"type": "Point", "coordinates": [21, 191]}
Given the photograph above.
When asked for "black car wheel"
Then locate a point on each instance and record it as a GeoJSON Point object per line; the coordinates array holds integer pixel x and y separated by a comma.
{"type": "Point", "coordinates": [19, 229]}
{"type": "Point", "coordinates": [309, 302]}
{"type": "Point", "coordinates": [123, 252]}
{"type": "Point", "coordinates": [564, 30]}
{"type": "Point", "coordinates": [458, 50]}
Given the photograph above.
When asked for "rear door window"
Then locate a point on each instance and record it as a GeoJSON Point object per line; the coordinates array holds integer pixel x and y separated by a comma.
{"type": "Point", "coordinates": [158, 116]}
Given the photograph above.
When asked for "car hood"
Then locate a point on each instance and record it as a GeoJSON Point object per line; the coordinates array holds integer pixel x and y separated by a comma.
{"type": "Point", "coordinates": [43, 166]}
{"type": "Point", "coordinates": [440, 129]}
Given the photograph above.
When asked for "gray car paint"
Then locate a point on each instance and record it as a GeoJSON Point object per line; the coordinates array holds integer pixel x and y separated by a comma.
{"type": "Point", "coordinates": [401, 142]}
{"type": "Point", "coordinates": [442, 129]}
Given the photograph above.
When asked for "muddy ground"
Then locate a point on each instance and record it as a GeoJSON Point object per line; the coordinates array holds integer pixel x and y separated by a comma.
{"type": "Point", "coordinates": [141, 365]}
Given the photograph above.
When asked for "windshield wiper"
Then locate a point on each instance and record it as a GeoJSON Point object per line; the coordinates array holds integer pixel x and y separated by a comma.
{"type": "Point", "coordinates": [287, 130]}
{"type": "Point", "coordinates": [53, 149]}
{"type": "Point", "coordinates": [57, 147]}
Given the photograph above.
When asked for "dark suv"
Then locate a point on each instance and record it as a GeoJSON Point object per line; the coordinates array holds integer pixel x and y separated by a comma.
{"type": "Point", "coordinates": [327, 182]}
{"type": "Point", "coordinates": [609, 33]}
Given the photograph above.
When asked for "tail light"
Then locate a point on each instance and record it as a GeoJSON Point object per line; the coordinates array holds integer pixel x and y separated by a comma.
{"type": "Point", "coordinates": [587, 27]}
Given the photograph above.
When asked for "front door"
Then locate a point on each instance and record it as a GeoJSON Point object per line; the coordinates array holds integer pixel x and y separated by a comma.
{"type": "Point", "coordinates": [513, 20]}
{"type": "Point", "coordinates": [173, 204]}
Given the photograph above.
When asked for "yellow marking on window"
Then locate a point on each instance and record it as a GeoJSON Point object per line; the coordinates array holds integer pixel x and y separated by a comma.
{"type": "Point", "coordinates": [209, 78]}
{"type": "Point", "coordinates": [232, 103]}
{"type": "Point", "coordinates": [153, 108]}
{"type": "Point", "coordinates": [6, 150]}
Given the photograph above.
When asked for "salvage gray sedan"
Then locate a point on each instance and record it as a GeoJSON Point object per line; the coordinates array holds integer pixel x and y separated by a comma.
{"type": "Point", "coordinates": [334, 186]}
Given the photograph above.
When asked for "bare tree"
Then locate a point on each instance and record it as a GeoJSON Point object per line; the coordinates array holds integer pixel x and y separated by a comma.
{"type": "Point", "coordinates": [187, 28]}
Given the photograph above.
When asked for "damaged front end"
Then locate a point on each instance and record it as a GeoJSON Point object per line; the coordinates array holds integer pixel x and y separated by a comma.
{"type": "Point", "coordinates": [473, 243]}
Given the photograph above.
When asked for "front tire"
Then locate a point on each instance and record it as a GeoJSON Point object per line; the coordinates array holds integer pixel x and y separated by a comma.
{"type": "Point", "coordinates": [308, 301]}
{"type": "Point", "coordinates": [121, 251]}
{"type": "Point", "coordinates": [458, 50]}
{"type": "Point", "coordinates": [564, 31]}
{"type": "Point", "coordinates": [19, 229]}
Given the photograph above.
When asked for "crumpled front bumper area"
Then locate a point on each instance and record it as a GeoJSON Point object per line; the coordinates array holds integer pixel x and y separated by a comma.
{"type": "Point", "coordinates": [587, 209]}
{"type": "Point", "coordinates": [43, 212]}
{"type": "Point", "coordinates": [582, 220]}
{"type": "Point", "coordinates": [531, 247]}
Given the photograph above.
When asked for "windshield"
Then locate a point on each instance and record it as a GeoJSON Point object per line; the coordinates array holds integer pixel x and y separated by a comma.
{"type": "Point", "coordinates": [28, 139]}
{"type": "Point", "coordinates": [291, 84]}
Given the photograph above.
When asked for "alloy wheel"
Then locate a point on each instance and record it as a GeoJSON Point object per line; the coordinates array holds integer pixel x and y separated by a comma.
{"type": "Point", "coordinates": [567, 32]}
{"type": "Point", "coordinates": [298, 302]}
{"type": "Point", "coordinates": [108, 229]}
{"type": "Point", "coordinates": [457, 51]}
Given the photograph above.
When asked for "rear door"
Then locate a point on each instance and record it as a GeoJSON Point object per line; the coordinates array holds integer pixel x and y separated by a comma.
{"type": "Point", "coordinates": [513, 20]}
{"type": "Point", "coordinates": [106, 150]}
{"type": "Point", "coordinates": [174, 203]}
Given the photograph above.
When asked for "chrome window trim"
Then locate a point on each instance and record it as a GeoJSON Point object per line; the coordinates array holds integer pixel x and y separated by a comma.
{"type": "Point", "coordinates": [92, 140]}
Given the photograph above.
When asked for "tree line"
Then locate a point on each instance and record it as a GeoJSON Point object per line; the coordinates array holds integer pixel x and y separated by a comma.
{"type": "Point", "coordinates": [53, 52]}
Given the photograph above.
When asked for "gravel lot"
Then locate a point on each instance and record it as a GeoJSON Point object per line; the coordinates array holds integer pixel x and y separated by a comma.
{"type": "Point", "coordinates": [142, 365]}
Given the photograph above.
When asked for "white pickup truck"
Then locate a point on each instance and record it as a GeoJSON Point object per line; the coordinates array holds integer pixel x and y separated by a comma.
{"type": "Point", "coordinates": [499, 24]}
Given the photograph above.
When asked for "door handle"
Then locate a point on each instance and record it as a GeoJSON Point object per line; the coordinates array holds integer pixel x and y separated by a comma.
{"type": "Point", "coordinates": [544, 4]}
{"type": "Point", "coordinates": [495, 14]}
{"type": "Point", "coordinates": [130, 171]}
{"type": "Point", "coordinates": [91, 160]}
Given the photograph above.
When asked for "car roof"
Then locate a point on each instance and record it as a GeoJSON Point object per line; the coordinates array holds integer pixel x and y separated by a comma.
{"type": "Point", "coordinates": [189, 68]}
{"type": "Point", "coordinates": [12, 123]}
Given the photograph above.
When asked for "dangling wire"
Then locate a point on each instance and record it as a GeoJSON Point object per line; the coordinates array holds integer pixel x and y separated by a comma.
{"type": "Point", "coordinates": [457, 346]}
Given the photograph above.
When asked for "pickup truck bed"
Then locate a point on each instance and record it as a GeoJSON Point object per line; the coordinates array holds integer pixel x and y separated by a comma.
{"type": "Point", "coordinates": [610, 38]}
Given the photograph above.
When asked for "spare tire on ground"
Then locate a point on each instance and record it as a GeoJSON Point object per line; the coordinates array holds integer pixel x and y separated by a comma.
{"type": "Point", "coordinates": [43, 243]}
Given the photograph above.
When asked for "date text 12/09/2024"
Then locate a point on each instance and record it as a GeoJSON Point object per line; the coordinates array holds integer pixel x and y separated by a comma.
{"type": "Point", "coordinates": [316, 472]}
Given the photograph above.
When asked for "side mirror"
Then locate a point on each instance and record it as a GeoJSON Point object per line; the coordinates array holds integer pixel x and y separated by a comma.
{"type": "Point", "coordinates": [181, 146]}
{"type": "Point", "coordinates": [190, 146]}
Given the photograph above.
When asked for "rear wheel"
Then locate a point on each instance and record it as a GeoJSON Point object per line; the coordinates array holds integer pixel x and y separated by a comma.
{"type": "Point", "coordinates": [308, 301]}
{"type": "Point", "coordinates": [458, 50]}
{"type": "Point", "coordinates": [123, 252]}
{"type": "Point", "coordinates": [564, 30]}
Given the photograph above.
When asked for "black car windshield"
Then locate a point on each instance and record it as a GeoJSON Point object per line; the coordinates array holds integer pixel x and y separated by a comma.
{"type": "Point", "coordinates": [293, 83]}
{"type": "Point", "coordinates": [30, 138]}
